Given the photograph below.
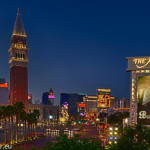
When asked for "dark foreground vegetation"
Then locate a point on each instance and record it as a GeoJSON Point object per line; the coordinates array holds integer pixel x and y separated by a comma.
{"type": "Point", "coordinates": [131, 138]}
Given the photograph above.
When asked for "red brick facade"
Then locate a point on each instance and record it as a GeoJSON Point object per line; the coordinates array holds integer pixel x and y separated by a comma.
{"type": "Point", "coordinates": [19, 85]}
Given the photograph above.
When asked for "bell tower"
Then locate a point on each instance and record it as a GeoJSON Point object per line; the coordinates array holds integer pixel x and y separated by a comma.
{"type": "Point", "coordinates": [18, 59]}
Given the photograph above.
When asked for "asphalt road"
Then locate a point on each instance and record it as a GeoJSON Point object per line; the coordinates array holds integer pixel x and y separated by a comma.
{"type": "Point", "coordinates": [88, 131]}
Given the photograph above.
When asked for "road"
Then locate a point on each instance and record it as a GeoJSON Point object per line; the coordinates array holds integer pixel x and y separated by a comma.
{"type": "Point", "coordinates": [88, 131]}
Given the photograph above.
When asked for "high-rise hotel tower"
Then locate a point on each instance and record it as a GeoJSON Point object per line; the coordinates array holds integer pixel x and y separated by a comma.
{"type": "Point", "coordinates": [18, 60]}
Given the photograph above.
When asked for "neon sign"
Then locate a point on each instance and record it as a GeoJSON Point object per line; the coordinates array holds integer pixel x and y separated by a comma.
{"type": "Point", "coordinates": [51, 96]}
{"type": "Point", "coordinates": [143, 115]}
{"type": "Point", "coordinates": [81, 105]}
{"type": "Point", "coordinates": [4, 85]}
{"type": "Point", "coordinates": [141, 62]}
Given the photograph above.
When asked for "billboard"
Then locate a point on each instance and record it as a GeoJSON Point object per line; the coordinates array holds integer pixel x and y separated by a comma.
{"type": "Point", "coordinates": [103, 96]}
{"type": "Point", "coordinates": [143, 99]}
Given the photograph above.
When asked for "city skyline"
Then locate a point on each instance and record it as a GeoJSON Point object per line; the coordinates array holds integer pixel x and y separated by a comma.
{"type": "Point", "coordinates": [77, 47]}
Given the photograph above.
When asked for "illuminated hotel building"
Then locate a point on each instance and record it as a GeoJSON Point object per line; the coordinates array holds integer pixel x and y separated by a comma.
{"type": "Point", "coordinates": [124, 103]}
{"type": "Point", "coordinates": [90, 106]}
{"type": "Point", "coordinates": [81, 108]}
{"type": "Point", "coordinates": [18, 59]}
{"type": "Point", "coordinates": [72, 99]}
{"type": "Point", "coordinates": [114, 102]}
{"type": "Point", "coordinates": [4, 92]}
{"type": "Point", "coordinates": [48, 98]}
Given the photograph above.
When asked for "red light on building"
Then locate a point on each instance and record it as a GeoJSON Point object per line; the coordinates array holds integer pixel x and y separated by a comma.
{"type": "Point", "coordinates": [5, 85]}
{"type": "Point", "coordinates": [29, 96]}
{"type": "Point", "coordinates": [81, 105]}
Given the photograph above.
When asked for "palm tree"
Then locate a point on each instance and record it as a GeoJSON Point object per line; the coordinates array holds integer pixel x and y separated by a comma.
{"type": "Point", "coordinates": [30, 120]}
{"type": "Point", "coordinates": [10, 113]}
{"type": "Point", "coordinates": [1, 116]}
{"type": "Point", "coordinates": [36, 115]}
{"type": "Point", "coordinates": [4, 116]}
{"type": "Point", "coordinates": [23, 117]}
{"type": "Point", "coordinates": [19, 107]}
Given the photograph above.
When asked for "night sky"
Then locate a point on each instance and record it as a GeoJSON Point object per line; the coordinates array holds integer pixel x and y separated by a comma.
{"type": "Point", "coordinates": [77, 46]}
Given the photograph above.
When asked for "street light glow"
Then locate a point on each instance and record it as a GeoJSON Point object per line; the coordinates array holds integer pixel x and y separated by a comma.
{"type": "Point", "coordinates": [110, 128]}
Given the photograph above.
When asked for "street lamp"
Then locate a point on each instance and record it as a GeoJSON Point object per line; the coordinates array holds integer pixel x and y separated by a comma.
{"type": "Point", "coordinates": [113, 135]}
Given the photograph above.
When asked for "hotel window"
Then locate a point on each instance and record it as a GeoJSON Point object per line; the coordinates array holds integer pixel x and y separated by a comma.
{"type": "Point", "coordinates": [16, 55]}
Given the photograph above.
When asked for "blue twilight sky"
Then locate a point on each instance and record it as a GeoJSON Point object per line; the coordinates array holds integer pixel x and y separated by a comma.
{"type": "Point", "coordinates": [75, 45]}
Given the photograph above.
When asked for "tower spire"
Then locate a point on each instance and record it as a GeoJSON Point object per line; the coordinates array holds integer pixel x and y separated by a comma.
{"type": "Point", "coordinates": [18, 28]}
{"type": "Point", "coordinates": [18, 10]}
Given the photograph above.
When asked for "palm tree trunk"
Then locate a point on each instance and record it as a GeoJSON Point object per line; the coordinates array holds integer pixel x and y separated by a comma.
{"type": "Point", "coordinates": [25, 128]}
{"type": "Point", "coordinates": [12, 133]}
{"type": "Point", "coordinates": [19, 130]}
{"type": "Point", "coordinates": [28, 131]}
{"type": "Point", "coordinates": [31, 129]}
{"type": "Point", "coordinates": [35, 130]}
{"type": "Point", "coordinates": [5, 132]}
{"type": "Point", "coordinates": [0, 125]}
{"type": "Point", "coordinates": [9, 133]}
{"type": "Point", "coordinates": [16, 128]}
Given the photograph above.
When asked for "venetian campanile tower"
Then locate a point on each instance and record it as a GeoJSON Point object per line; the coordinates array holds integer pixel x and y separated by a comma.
{"type": "Point", "coordinates": [18, 59]}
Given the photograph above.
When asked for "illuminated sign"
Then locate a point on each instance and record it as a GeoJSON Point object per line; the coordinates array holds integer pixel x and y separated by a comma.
{"type": "Point", "coordinates": [143, 115]}
{"type": "Point", "coordinates": [143, 99]}
{"type": "Point", "coordinates": [51, 96]}
{"type": "Point", "coordinates": [81, 114]}
{"type": "Point", "coordinates": [103, 90]}
{"type": "Point", "coordinates": [137, 63]}
{"type": "Point", "coordinates": [141, 62]}
{"type": "Point", "coordinates": [103, 98]}
{"type": "Point", "coordinates": [5, 85]}
{"type": "Point", "coordinates": [81, 105]}
{"type": "Point", "coordinates": [140, 89]}
{"type": "Point", "coordinates": [29, 96]}
{"type": "Point", "coordinates": [62, 119]}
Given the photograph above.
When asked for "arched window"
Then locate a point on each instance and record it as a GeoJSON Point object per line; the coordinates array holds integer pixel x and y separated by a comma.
{"type": "Point", "coordinates": [23, 56]}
